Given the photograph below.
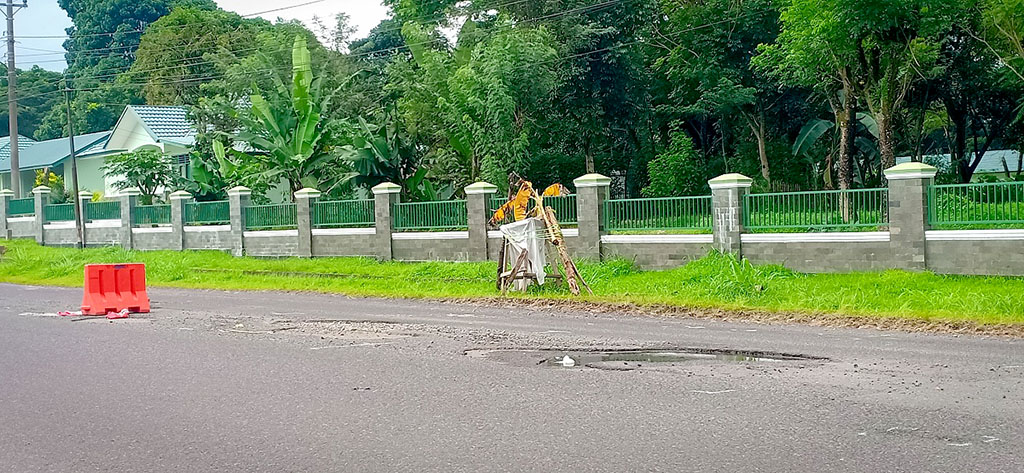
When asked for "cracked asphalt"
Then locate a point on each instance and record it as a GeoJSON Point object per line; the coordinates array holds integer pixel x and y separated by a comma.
{"type": "Point", "coordinates": [229, 381]}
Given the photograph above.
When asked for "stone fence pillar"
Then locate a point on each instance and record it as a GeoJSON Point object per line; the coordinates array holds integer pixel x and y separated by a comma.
{"type": "Point", "coordinates": [238, 199]}
{"type": "Point", "coordinates": [727, 192]}
{"type": "Point", "coordinates": [179, 200]}
{"type": "Point", "coordinates": [477, 197]}
{"type": "Point", "coordinates": [41, 195]}
{"type": "Point", "coordinates": [5, 201]}
{"type": "Point", "coordinates": [304, 218]}
{"type": "Point", "coordinates": [129, 200]}
{"type": "Point", "coordinates": [385, 196]}
{"type": "Point", "coordinates": [591, 192]}
{"type": "Point", "coordinates": [908, 213]}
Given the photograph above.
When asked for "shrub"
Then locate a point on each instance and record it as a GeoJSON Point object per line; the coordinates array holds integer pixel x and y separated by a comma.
{"type": "Point", "coordinates": [676, 172]}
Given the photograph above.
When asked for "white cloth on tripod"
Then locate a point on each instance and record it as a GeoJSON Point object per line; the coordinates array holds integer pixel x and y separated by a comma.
{"type": "Point", "coordinates": [527, 235]}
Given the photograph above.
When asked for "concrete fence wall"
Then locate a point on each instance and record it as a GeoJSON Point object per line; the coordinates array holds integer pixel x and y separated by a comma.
{"type": "Point", "coordinates": [908, 243]}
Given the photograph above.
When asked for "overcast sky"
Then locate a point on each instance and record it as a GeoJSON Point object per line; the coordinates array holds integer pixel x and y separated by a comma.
{"type": "Point", "coordinates": [45, 18]}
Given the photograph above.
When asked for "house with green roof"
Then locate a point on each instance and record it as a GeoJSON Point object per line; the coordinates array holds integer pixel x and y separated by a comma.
{"type": "Point", "coordinates": [49, 154]}
{"type": "Point", "coordinates": [995, 164]}
{"type": "Point", "coordinates": [166, 129]}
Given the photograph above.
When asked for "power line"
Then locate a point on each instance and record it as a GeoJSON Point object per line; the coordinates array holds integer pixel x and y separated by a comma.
{"type": "Point", "coordinates": [285, 68]}
{"type": "Point", "coordinates": [192, 24]}
{"type": "Point", "coordinates": [142, 29]}
{"type": "Point", "coordinates": [125, 68]}
{"type": "Point", "coordinates": [595, 6]}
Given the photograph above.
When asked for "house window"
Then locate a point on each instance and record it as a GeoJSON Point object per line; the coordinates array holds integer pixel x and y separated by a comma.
{"type": "Point", "coordinates": [182, 165]}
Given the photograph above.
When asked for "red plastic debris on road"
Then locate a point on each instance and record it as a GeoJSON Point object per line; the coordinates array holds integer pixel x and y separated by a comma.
{"type": "Point", "coordinates": [118, 315]}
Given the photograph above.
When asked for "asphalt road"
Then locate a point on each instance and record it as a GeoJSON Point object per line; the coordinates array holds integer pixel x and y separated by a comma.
{"type": "Point", "coordinates": [215, 381]}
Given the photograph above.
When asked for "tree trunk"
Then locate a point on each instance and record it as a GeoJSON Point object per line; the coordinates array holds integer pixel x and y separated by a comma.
{"type": "Point", "coordinates": [591, 168]}
{"type": "Point", "coordinates": [1020, 163]}
{"type": "Point", "coordinates": [844, 119]}
{"type": "Point", "coordinates": [958, 142]}
{"type": "Point", "coordinates": [757, 125]}
{"type": "Point", "coordinates": [885, 144]}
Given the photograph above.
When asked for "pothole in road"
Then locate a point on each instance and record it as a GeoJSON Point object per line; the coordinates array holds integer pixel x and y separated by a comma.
{"type": "Point", "coordinates": [627, 360]}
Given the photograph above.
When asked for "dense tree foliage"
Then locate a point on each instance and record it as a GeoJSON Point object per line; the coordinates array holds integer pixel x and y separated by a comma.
{"type": "Point", "coordinates": [44, 87]}
{"type": "Point", "coordinates": [147, 170]}
{"type": "Point", "coordinates": [101, 46]}
{"type": "Point", "coordinates": [658, 94]}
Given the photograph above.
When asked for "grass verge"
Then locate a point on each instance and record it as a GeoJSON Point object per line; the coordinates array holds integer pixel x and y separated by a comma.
{"type": "Point", "coordinates": [714, 283]}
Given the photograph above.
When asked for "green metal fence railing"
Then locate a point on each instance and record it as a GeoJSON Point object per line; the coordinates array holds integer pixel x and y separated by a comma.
{"type": "Point", "coordinates": [108, 210]}
{"type": "Point", "coordinates": [443, 215]}
{"type": "Point", "coordinates": [21, 207]}
{"type": "Point", "coordinates": [860, 209]}
{"type": "Point", "coordinates": [564, 207]}
{"type": "Point", "coordinates": [343, 214]}
{"type": "Point", "coordinates": [152, 215]}
{"type": "Point", "coordinates": [667, 213]}
{"type": "Point", "coordinates": [274, 216]}
{"type": "Point", "coordinates": [59, 212]}
{"type": "Point", "coordinates": [208, 213]}
{"type": "Point", "coordinates": [976, 205]}
{"type": "Point", "coordinates": [495, 203]}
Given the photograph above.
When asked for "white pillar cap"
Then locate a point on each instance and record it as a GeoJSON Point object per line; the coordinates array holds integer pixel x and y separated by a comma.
{"type": "Point", "coordinates": [41, 190]}
{"type": "Point", "coordinates": [730, 181]}
{"type": "Point", "coordinates": [387, 188]}
{"type": "Point", "coordinates": [308, 193]}
{"type": "Point", "coordinates": [240, 191]}
{"type": "Point", "coordinates": [910, 171]}
{"type": "Point", "coordinates": [85, 195]}
{"type": "Point", "coordinates": [481, 188]}
{"type": "Point", "coordinates": [130, 192]}
{"type": "Point", "coordinates": [180, 195]}
{"type": "Point", "coordinates": [6, 193]}
{"type": "Point", "coordinates": [592, 180]}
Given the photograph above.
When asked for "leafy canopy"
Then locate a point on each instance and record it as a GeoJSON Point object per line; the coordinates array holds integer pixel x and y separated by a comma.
{"type": "Point", "coordinates": [287, 129]}
{"type": "Point", "coordinates": [147, 170]}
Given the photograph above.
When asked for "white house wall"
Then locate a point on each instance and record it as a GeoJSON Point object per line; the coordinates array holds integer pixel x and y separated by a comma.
{"type": "Point", "coordinates": [130, 134]}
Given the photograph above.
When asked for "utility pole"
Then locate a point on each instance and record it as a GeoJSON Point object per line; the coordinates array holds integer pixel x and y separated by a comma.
{"type": "Point", "coordinates": [12, 95]}
{"type": "Point", "coordinates": [79, 221]}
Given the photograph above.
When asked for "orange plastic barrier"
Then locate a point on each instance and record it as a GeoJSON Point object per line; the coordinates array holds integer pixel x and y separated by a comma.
{"type": "Point", "coordinates": [114, 287]}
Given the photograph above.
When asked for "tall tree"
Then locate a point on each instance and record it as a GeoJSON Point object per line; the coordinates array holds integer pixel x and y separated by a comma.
{"type": "Point", "coordinates": [1003, 32]}
{"type": "Point", "coordinates": [813, 51]}
{"type": "Point", "coordinates": [709, 63]}
{"type": "Point", "coordinates": [42, 93]}
{"type": "Point", "coordinates": [479, 102]}
{"type": "Point", "coordinates": [978, 98]}
{"type": "Point", "coordinates": [182, 50]}
{"type": "Point", "coordinates": [877, 48]}
{"type": "Point", "coordinates": [339, 35]}
{"type": "Point", "coordinates": [106, 33]}
{"type": "Point", "coordinates": [897, 44]}
{"type": "Point", "coordinates": [101, 46]}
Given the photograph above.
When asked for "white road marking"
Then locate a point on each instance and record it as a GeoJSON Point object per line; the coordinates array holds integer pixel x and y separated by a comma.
{"type": "Point", "coordinates": [715, 392]}
{"type": "Point", "coordinates": [351, 346]}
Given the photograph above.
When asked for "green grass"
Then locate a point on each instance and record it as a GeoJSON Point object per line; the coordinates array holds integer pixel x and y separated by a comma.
{"type": "Point", "coordinates": [716, 281]}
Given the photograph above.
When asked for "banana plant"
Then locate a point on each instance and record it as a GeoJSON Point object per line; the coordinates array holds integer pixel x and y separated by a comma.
{"type": "Point", "coordinates": [384, 154]}
{"type": "Point", "coordinates": [285, 128]}
{"type": "Point", "coordinates": [816, 130]}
